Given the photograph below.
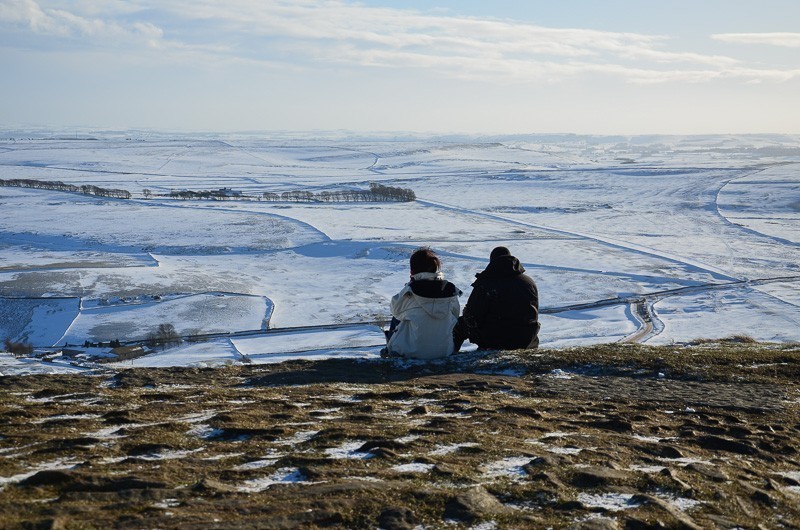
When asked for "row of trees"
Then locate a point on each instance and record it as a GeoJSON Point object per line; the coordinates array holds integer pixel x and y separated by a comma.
{"type": "Point", "coordinates": [376, 193]}
{"type": "Point", "coordinates": [86, 189]}
{"type": "Point", "coordinates": [18, 349]}
{"type": "Point", "coordinates": [188, 194]}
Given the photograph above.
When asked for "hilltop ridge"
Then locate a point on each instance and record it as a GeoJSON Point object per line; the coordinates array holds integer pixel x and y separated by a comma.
{"type": "Point", "coordinates": [616, 436]}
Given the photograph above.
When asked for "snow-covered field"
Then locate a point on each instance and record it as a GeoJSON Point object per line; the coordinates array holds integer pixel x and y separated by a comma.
{"type": "Point", "coordinates": [703, 231]}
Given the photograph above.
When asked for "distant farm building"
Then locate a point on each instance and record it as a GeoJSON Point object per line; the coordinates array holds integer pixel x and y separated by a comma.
{"type": "Point", "coordinates": [126, 353]}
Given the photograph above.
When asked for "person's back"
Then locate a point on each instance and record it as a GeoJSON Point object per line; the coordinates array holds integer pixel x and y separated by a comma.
{"type": "Point", "coordinates": [426, 310]}
{"type": "Point", "coordinates": [503, 310]}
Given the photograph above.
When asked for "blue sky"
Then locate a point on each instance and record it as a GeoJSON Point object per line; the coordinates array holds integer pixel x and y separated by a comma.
{"type": "Point", "coordinates": [601, 67]}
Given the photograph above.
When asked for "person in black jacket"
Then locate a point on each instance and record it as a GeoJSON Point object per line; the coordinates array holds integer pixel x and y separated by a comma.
{"type": "Point", "coordinates": [503, 310]}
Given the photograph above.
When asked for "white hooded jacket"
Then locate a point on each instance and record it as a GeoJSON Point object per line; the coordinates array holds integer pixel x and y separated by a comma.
{"type": "Point", "coordinates": [426, 324]}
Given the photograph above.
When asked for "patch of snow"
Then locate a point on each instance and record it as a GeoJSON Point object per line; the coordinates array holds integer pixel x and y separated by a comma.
{"type": "Point", "coordinates": [682, 503]}
{"type": "Point", "coordinates": [284, 475]}
{"type": "Point", "coordinates": [511, 372]}
{"type": "Point", "coordinates": [167, 503]}
{"type": "Point", "coordinates": [564, 450]}
{"type": "Point", "coordinates": [223, 456]}
{"type": "Point", "coordinates": [198, 417]}
{"type": "Point", "coordinates": [557, 434]}
{"type": "Point", "coordinates": [68, 417]}
{"type": "Point", "coordinates": [298, 438]}
{"type": "Point", "coordinates": [486, 525]}
{"type": "Point", "coordinates": [651, 439]}
{"type": "Point", "coordinates": [256, 464]}
{"type": "Point", "coordinates": [349, 450]}
{"type": "Point", "coordinates": [648, 469]}
{"type": "Point", "coordinates": [5, 450]}
{"type": "Point", "coordinates": [414, 467]}
{"type": "Point", "coordinates": [314, 342]}
{"type": "Point", "coordinates": [204, 431]}
{"type": "Point", "coordinates": [687, 460]}
{"type": "Point", "coordinates": [441, 450]}
{"type": "Point", "coordinates": [107, 432]}
{"type": "Point", "coordinates": [190, 314]}
{"type": "Point", "coordinates": [511, 467]}
{"type": "Point", "coordinates": [346, 399]}
{"type": "Point", "coordinates": [168, 455]}
{"type": "Point", "coordinates": [202, 355]}
{"type": "Point", "coordinates": [612, 502]}
{"type": "Point", "coordinates": [54, 465]}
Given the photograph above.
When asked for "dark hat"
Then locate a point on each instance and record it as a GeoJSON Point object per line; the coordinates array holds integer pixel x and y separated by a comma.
{"type": "Point", "coordinates": [499, 251]}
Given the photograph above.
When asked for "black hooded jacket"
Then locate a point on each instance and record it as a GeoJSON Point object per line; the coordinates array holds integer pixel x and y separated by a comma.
{"type": "Point", "coordinates": [503, 310]}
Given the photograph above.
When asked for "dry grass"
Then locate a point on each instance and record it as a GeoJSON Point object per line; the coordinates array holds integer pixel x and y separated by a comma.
{"type": "Point", "coordinates": [700, 436]}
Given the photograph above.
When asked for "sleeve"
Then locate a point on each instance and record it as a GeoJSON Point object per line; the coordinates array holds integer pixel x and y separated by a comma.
{"type": "Point", "coordinates": [475, 310]}
{"type": "Point", "coordinates": [399, 302]}
{"type": "Point", "coordinates": [455, 307]}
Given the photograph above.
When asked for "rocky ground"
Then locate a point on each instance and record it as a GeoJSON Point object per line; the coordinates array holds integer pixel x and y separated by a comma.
{"type": "Point", "coordinates": [705, 436]}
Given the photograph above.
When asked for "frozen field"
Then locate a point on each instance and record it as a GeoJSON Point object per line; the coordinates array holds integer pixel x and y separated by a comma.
{"type": "Point", "coordinates": [700, 235]}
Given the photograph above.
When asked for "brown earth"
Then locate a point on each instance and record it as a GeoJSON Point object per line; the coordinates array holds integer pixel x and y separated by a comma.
{"type": "Point", "coordinates": [607, 437]}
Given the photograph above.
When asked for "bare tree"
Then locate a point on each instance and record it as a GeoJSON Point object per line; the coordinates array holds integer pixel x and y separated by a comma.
{"type": "Point", "coordinates": [165, 336]}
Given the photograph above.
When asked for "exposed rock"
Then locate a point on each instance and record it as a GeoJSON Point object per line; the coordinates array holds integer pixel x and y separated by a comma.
{"type": "Point", "coordinates": [548, 460]}
{"type": "Point", "coordinates": [714, 473]}
{"type": "Point", "coordinates": [209, 485]}
{"type": "Point", "coordinates": [592, 477]}
{"type": "Point", "coordinates": [789, 481]}
{"type": "Point", "coordinates": [523, 411]}
{"type": "Point", "coordinates": [83, 442]}
{"type": "Point", "coordinates": [569, 506]}
{"type": "Point", "coordinates": [679, 520]}
{"type": "Point", "coordinates": [49, 478]}
{"type": "Point", "coordinates": [738, 431]}
{"type": "Point", "coordinates": [718, 443]}
{"type": "Point", "coordinates": [681, 485]}
{"type": "Point", "coordinates": [668, 451]}
{"type": "Point", "coordinates": [117, 417]}
{"type": "Point", "coordinates": [722, 522]}
{"type": "Point", "coordinates": [549, 479]}
{"type": "Point", "coordinates": [474, 504]}
{"type": "Point", "coordinates": [383, 452]}
{"type": "Point", "coordinates": [397, 519]}
{"type": "Point", "coordinates": [147, 449]}
{"type": "Point", "coordinates": [383, 442]}
{"type": "Point", "coordinates": [56, 523]}
{"type": "Point", "coordinates": [759, 495]}
{"type": "Point", "coordinates": [613, 424]}
{"type": "Point", "coordinates": [102, 484]}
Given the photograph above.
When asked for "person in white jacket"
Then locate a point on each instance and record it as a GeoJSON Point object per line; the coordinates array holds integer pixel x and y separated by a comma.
{"type": "Point", "coordinates": [424, 312]}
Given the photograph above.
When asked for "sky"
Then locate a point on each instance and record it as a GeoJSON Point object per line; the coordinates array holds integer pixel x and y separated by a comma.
{"type": "Point", "coordinates": [450, 66]}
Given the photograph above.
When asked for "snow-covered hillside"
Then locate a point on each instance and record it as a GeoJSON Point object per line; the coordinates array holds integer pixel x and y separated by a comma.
{"type": "Point", "coordinates": [701, 235]}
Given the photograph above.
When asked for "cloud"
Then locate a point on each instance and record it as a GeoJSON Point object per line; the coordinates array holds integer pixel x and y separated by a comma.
{"type": "Point", "coordinates": [314, 34]}
{"type": "Point", "coordinates": [55, 22]}
{"type": "Point", "coordinates": [786, 40]}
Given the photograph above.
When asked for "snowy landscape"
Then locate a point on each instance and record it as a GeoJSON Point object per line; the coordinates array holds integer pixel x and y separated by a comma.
{"type": "Point", "coordinates": [657, 240]}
